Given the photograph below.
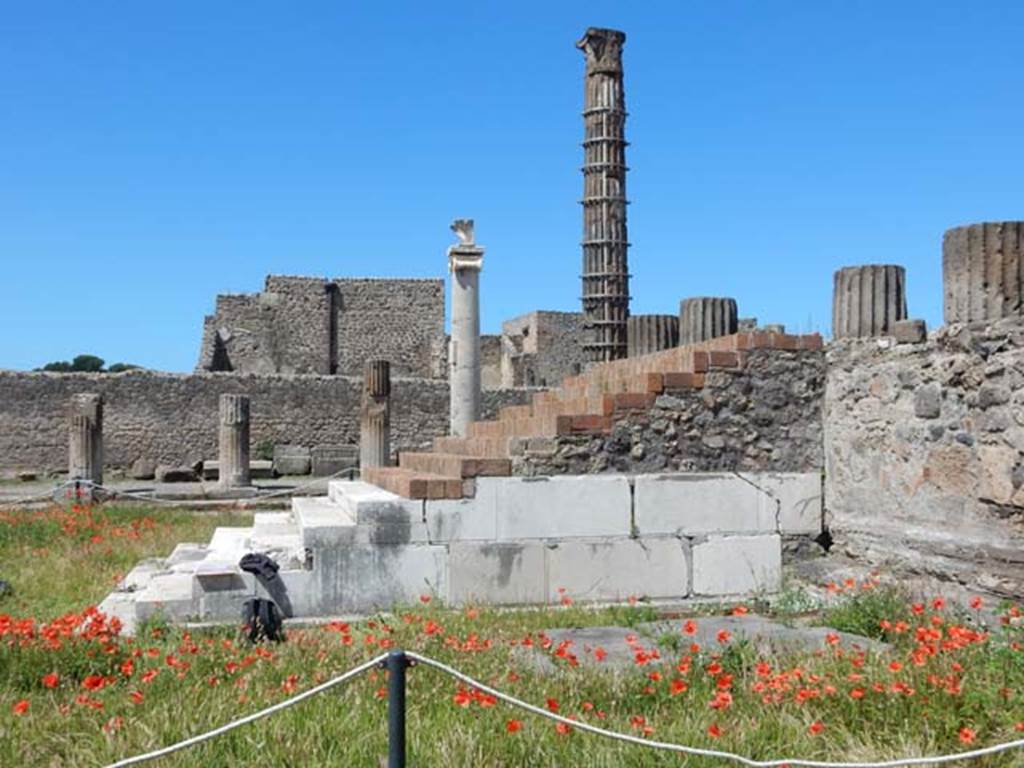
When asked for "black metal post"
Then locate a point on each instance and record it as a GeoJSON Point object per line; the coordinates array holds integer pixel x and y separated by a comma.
{"type": "Point", "coordinates": [396, 665]}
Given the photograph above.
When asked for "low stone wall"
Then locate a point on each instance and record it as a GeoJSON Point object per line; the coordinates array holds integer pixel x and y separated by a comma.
{"type": "Point", "coordinates": [173, 417]}
{"type": "Point", "coordinates": [924, 448]}
{"type": "Point", "coordinates": [763, 416]}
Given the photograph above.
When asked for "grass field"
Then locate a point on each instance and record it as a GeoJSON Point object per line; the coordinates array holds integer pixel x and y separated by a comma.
{"type": "Point", "coordinates": [73, 692]}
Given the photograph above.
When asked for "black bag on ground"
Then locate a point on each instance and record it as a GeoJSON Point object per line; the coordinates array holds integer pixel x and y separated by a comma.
{"type": "Point", "coordinates": [261, 620]}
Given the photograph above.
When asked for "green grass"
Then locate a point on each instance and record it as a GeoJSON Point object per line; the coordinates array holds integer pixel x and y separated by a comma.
{"type": "Point", "coordinates": [203, 680]}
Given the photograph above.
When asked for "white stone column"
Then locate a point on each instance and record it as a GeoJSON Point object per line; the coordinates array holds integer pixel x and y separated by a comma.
{"type": "Point", "coordinates": [233, 458]}
{"type": "Point", "coordinates": [85, 438]}
{"type": "Point", "coordinates": [465, 259]}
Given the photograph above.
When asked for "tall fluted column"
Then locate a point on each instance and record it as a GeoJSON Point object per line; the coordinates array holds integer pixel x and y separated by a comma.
{"type": "Point", "coordinates": [706, 317]}
{"type": "Point", "coordinates": [652, 333]}
{"type": "Point", "coordinates": [465, 260]}
{"type": "Point", "coordinates": [85, 438]}
{"type": "Point", "coordinates": [234, 442]}
{"type": "Point", "coordinates": [868, 300]}
{"type": "Point", "coordinates": [375, 416]}
{"type": "Point", "coordinates": [983, 272]}
{"type": "Point", "coordinates": [605, 240]}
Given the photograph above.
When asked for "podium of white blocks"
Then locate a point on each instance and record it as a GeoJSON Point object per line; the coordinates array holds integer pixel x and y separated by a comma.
{"type": "Point", "coordinates": [600, 538]}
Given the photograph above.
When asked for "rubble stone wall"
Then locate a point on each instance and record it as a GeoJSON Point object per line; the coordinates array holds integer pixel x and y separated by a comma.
{"type": "Point", "coordinates": [173, 417]}
{"type": "Point", "coordinates": [924, 450]}
{"type": "Point", "coordinates": [765, 416]}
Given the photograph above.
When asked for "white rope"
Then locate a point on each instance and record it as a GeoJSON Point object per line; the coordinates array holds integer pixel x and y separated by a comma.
{"type": "Point", "coordinates": [699, 752]}
{"type": "Point", "coordinates": [191, 742]}
{"type": "Point", "coordinates": [38, 497]}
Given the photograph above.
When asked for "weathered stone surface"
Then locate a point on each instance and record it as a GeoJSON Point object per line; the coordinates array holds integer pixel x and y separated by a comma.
{"type": "Point", "coordinates": [375, 416]}
{"type": "Point", "coordinates": [766, 416]}
{"type": "Point", "coordinates": [465, 260]}
{"type": "Point", "coordinates": [497, 572]}
{"type": "Point", "coordinates": [735, 565]}
{"type": "Point", "coordinates": [616, 569]}
{"type": "Point", "coordinates": [928, 401]}
{"type": "Point", "coordinates": [530, 508]}
{"type": "Point", "coordinates": [910, 331]}
{"type": "Point", "coordinates": [292, 460]}
{"type": "Point", "coordinates": [85, 437]}
{"type": "Point", "coordinates": [233, 456]}
{"type": "Point", "coordinates": [170, 417]}
{"type": "Point", "coordinates": [983, 272]}
{"type": "Point", "coordinates": [868, 300]}
{"type": "Point", "coordinates": [704, 317]}
{"type": "Point", "coordinates": [651, 333]}
{"type": "Point", "coordinates": [142, 469]}
{"type": "Point", "coordinates": [327, 460]}
{"type": "Point", "coordinates": [929, 497]}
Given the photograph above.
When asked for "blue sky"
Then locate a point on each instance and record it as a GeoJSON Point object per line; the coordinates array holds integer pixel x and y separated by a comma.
{"type": "Point", "coordinates": [154, 155]}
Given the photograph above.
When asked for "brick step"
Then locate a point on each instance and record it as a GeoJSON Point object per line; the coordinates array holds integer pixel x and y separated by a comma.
{"type": "Point", "coordinates": [454, 465]}
{"type": "Point", "coordinates": [482, 447]}
{"type": "Point", "coordinates": [413, 485]}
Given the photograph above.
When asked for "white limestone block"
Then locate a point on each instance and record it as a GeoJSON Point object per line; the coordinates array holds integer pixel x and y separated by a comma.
{"type": "Point", "coordinates": [474, 519]}
{"type": "Point", "coordinates": [381, 517]}
{"type": "Point", "coordinates": [737, 565]}
{"type": "Point", "coordinates": [616, 569]}
{"type": "Point", "coordinates": [696, 503]}
{"type": "Point", "coordinates": [368, 578]}
{"type": "Point", "coordinates": [169, 594]}
{"type": "Point", "coordinates": [799, 499]}
{"type": "Point", "coordinates": [558, 507]}
{"type": "Point", "coordinates": [498, 572]}
{"type": "Point", "coordinates": [322, 522]}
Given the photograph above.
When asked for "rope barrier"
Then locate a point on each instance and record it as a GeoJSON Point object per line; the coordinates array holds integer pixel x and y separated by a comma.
{"type": "Point", "coordinates": [585, 727]}
{"type": "Point", "coordinates": [191, 742]}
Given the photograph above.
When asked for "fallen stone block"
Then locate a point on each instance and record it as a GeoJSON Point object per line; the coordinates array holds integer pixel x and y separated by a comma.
{"type": "Point", "coordinates": [259, 469]}
{"type": "Point", "coordinates": [292, 460]}
{"type": "Point", "coordinates": [142, 469]}
{"type": "Point", "coordinates": [910, 331]}
{"type": "Point", "coordinates": [326, 460]}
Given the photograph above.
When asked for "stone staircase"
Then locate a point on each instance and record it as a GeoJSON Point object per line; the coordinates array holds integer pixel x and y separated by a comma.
{"type": "Point", "coordinates": [587, 404]}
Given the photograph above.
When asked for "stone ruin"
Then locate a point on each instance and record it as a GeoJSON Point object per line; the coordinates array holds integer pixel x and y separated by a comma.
{"type": "Point", "coordinates": [660, 456]}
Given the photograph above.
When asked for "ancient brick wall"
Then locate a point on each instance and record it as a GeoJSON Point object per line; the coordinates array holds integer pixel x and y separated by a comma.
{"type": "Point", "coordinates": [173, 417]}
{"type": "Point", "coordinates": [490, 361]}
{"type": "Point", "coordinates": [924, 448]}
{"type": "Point", "coordinates": [541, 348]}
{"type": "Point", "coordinates": [764, 416]}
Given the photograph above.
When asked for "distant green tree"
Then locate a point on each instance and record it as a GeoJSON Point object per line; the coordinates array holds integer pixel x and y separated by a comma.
{"type": "Point", "coordinates": [58, 366]}
{"type": "Point", "coordinates": [87, 363]}
{"type": "Point", "coordinates": [122, 367]}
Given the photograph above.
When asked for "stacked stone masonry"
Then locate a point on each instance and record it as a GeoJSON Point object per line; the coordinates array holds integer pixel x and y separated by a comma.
{"type": "Point", "coordinates": [313, 325]}
{"type": "Point", "coordinates": [924, 451]}
{"type": "Point", "coordinates": [172, 418]}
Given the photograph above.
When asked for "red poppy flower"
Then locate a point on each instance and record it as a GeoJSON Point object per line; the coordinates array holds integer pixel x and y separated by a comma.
{"type": "Point", "coordinates": [966, 735]}
{"type": "Point", "coordinates": [20, 707]}
{"type": "Point", "coordinates": [552, 705]}
{"type": "Point", "coordinates": [714, 731]}
{"type": "Point", "coordinates": [51, 680]}
{"type": "Point", "coordinates": [724, 635]}
{"type": "Point", "coordinates": [563, 729]}
{"type": "Point", "coordinates": [816, 727]}
{"type": "Point", "coordinates": [690, 627]}
{"type": "Point", "coordinates": [514, 726]}
{"type": "Point", "coordinates": [94, 682]}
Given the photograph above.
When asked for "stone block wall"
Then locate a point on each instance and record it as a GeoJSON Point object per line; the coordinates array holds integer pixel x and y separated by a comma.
{"type": "Point", "coordinates": [313, 325]}
{"type": "Point", "coordinates": [765, 416]}
{"type": "Point", "coordinates": [924, 449]}
{"type": "Point", "coordinates": [173, 417]}
{"type": "Point", "coordinates": [541, 348]}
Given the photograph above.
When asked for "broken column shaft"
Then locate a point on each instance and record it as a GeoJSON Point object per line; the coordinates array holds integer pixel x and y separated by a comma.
{"type": "Point", "coordinates": [85, 438]}
{"type": "Point", "coordinates": [983, 272]}
{"type": "Point", "coordinates": [706, 317]}
{"type": "Point", "coordinates": [868, 300]}
{"type": "Point", "coordinates": [375, 416]}
{"type": "Point", "coordinates": [233, 458]}
{"type": "Point", "coordinates": [652, 333]}
{"type": "Point", "coordinates": [465, 260]}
